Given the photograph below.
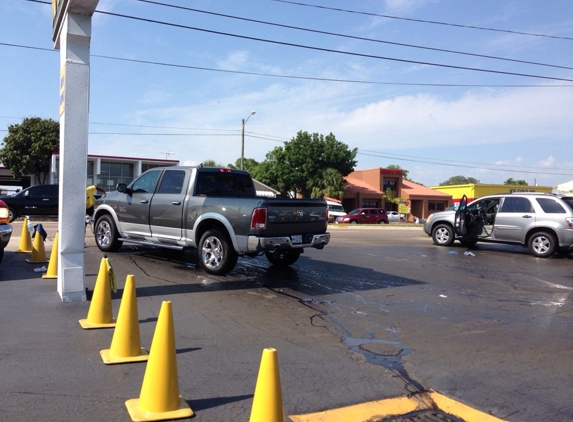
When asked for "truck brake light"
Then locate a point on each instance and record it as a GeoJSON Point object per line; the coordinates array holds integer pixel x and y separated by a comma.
{"type": "Point", "coordinates": [259, 219]}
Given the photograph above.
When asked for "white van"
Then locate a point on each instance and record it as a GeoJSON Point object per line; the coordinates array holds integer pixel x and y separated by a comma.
{"type": "Point", "coordinates": [335, 209]}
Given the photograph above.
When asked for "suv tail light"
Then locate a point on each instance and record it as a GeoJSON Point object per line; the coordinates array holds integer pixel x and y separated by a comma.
{"type": "Point", "coordinates": [569, 222]}
{"type": "Point", "coordinates": [259, 219]}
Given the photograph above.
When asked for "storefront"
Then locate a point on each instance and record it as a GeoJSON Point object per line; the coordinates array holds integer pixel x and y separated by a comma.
{"type": "Point", "coordinates": [369, 188]}
{"type": "Point", "coordinates": [474, 191]}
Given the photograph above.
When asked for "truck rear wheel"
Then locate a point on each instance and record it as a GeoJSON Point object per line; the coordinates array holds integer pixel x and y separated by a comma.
{"type": "Point", "coordinates": [106, 235]}
{"type": "Point", "coordinates": [283, 258]}
{"type": "Point", "coordinates": [216, 253]}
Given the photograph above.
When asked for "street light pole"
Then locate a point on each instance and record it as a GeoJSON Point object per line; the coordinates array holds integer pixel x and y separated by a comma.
{"type": "Point", "coordinates": [243, 140]}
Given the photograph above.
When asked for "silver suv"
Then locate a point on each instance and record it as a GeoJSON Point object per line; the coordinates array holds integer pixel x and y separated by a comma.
{"type": "Point", "coordinates": [543, 222]}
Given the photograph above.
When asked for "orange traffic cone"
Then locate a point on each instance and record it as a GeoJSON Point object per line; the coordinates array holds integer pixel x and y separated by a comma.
{"type": "Point", "coordinates": [25, 239]}
{"type": "Point", "coordinates": [38, 251]}
{"type": "Point", "coordinates": [99, 314]}
{"type": "Point", "coordinates": [53, 265]}
{"type": "Point", "coordinates": [126, 343]}
{"type": "Point", "coordinates": [159, 398]}
{"type": "Point", "coordinates": [268, 400]}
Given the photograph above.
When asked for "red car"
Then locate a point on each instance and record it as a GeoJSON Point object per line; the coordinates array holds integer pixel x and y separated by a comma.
{"type": "Point", "coordinates": [364, 216]}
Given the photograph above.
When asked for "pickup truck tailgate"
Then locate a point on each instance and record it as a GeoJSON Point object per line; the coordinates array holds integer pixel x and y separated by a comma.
{"type": "Point", "coordinates": [295, 216]}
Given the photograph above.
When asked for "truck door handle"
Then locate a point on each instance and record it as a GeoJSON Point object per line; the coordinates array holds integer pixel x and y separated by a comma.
{"type": "Point", "coordinates": [526, 216]}
{"type": "Point", "coordinates": [176, 202]}
{"type": "Point", "coordinates": [144, 201]}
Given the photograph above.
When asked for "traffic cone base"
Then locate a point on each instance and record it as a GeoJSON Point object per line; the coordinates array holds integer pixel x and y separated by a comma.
{"type": "Point", "coordinates": [38, 252]}
{"type": "Point", "coordinates": [87, 325]}
{"type": "Point", "coordinates": [110, 359]}
{"type": "Point", "coordinates": [137, 414]}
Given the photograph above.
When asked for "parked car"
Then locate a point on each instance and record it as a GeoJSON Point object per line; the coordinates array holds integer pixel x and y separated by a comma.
{"type": "Point", "coordinates": [5, 228]}
{"type": "Point", "coordinates": [364, 216]}
{"type": "Point", "coordinates": [394, 216]}
{"type": "Point", "coordinates": [35, 200]}
{"type": "Point", "coordinates": [543, 222]}
{"type": "Point", "coordinates": [334, 210]}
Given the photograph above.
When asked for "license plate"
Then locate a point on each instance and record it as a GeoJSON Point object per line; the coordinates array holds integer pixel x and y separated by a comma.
{"type": "Point", "coordinates": [296, 238]}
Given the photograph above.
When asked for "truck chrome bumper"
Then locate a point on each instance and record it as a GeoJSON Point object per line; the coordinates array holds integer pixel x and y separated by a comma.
{"type": "Point", "coordinates": [257, 244]}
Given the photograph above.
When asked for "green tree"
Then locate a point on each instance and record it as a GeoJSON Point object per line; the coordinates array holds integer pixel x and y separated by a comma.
{"type": "Point", "coordinates": [389, 197]}
{"type": "Point", "coordinates": [460, 180]}
{"type": "Point", "coordinates": [248, 163]}
{"type": "Point", "coordinates": [28, 147]}
{"type": "Point", "coordinates": [302, 164]}
{"type": "Point", "coordinates": [511, 181]}
{"type": "Point", "coordinates": [211, 163]}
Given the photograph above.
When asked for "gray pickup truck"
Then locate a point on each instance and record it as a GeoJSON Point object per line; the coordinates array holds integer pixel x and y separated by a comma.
{"type": "Point", "coordinates": [215, 210]}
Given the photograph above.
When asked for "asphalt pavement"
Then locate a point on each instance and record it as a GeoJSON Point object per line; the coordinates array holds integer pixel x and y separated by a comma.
{"type": "Point", "coordinates": [51, 368]}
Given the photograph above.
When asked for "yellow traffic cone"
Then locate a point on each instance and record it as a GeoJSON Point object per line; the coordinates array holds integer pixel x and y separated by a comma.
{"type": "Point", "coordinates": [99, 314]}
{"type": "Point", "coordinates": [38, 251]}
{"type": "Point", "coordinates": [268, 400]}
{"type": "Point", "coordinates": [159, 398]}
{"type": "Point", "coordinates": [25, 239]}
{"type": "Point", "coordinates": [53, 265]}
{"type": "Point", "coordinates": [126, 343]}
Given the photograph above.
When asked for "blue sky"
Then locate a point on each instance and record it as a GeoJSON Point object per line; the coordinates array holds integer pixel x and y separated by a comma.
{"type": "Point", "coordinates": [161, 87]}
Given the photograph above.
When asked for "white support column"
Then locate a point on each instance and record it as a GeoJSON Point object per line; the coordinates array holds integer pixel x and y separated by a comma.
{"type": "Point", "coordinates": [74, 86]}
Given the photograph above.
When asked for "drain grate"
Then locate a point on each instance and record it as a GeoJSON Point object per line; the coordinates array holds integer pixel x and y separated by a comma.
{"type": "Point", "coordinates": [421, 416]}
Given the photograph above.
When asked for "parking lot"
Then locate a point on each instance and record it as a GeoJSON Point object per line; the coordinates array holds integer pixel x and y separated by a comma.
{"type": "Point", "coordinates": [378, 313]}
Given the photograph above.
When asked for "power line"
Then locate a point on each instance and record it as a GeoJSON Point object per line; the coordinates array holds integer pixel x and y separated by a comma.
{"type": "Point", "coordinates": [308, 78]}
{"type": "Point", "coordinates": [315, 31]}
{"type": "Point", "coordinates": [426, 21]}
{"type": "Point", "coordinates": [329, 50]}
{"type": "Point", "coordinates": [481, 167]}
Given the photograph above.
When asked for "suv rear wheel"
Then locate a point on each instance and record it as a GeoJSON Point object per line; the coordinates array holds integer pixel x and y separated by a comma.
{"type": "Point", "coordinates": [542, 244]}
{"type": "Point", "coordinates": [443, 235]}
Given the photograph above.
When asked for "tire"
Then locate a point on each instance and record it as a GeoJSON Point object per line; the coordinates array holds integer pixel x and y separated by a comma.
{"type": "Point", "coordinates": [542, 244]}
{"type": "Point", "coordinates": [443, 235]}
{"type": "Point", "coordinates": [353, 222]}
{"type": "Point", "coordinates": [1, 254]}
{"type": "Point", "coordinates": [216, 253]}
{"type": "Point", "coordinates": [383, 222]}
{"type": "Point", "coordinates": [283, 258]}
{"type": "Point", "coordinates": [12, 215]}
{"type": "Point", "coordinates": [106, 235]}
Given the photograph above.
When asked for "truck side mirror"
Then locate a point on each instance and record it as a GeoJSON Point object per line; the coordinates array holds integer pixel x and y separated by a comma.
{"type": "Point", "coordinates": [122, 187]}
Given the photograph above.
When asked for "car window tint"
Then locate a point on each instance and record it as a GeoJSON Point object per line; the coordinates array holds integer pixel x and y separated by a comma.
{"type": "Point", "coordinates": [373, 212]}
{"type": "Point", "coordinates": [39, 191]}
{"type": "Point", "coordinates": [516, 204]}
{"type": "Point", "coordinates": [146, 183]}
{"type": "Point", "coordinates": [550, 206]}
{"type": "Point", "coordinates": [172, 182]}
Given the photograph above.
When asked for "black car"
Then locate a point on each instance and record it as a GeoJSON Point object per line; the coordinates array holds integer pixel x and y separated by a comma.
{"type": "Point", "coordinates": [35, 200]}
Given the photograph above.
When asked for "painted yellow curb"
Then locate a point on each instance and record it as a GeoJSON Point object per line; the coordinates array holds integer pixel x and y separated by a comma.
{"type": "Point", "coordinates": [425, 400]}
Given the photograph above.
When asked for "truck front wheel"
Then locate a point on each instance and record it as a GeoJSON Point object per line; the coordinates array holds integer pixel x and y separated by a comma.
{"type": "Point", "coordinates": [106, 236]}
{"type": "Point", "coordinates": [283, 258]}
{"type": "Point", "coordinates": [216, 253]}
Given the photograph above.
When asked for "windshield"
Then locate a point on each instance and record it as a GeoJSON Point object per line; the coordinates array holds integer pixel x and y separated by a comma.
{"type": "Point", "coordinates": [354, 212]}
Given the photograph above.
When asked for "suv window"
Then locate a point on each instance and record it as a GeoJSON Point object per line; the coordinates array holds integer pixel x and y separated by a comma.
{"type": "Point", "coordinates": [550, 206]}
{"type": "Point", "coordinates": [516, 204]}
